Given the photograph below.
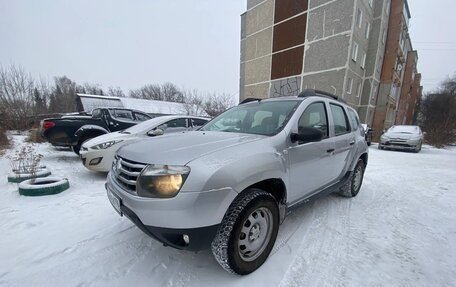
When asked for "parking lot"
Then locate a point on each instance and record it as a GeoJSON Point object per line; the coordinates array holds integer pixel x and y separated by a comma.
{"type": "Point", "coordinates": [399, 231]}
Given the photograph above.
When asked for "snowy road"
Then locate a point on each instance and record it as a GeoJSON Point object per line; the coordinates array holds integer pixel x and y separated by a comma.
{"type": "Point", "coordinates": [399, 231]}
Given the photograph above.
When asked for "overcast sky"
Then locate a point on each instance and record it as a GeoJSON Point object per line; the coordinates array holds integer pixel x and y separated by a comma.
{"type": "Point", "coordinates": [192, 43]}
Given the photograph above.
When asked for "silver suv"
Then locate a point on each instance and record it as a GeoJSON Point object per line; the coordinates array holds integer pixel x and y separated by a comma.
{"type": "Point", "coordinates": [230, 184]}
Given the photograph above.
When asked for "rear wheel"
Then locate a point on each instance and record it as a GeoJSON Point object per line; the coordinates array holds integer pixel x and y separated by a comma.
{"type": "Point", "coordinates": [351, 189]}
{"type": "Point", "coordinates": [247, 232]}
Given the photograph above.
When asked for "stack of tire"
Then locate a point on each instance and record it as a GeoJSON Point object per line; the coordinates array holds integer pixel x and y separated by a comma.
{"type": "Point", "coordinates": [39, 183]}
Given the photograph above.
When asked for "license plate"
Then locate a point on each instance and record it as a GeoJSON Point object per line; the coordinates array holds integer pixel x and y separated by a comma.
{"type": "Point", "coordinates": [115, 201]}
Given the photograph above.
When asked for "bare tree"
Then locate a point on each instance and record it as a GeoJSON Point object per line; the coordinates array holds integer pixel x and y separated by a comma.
{"type": "Point", "coordinates": [193, 102]}
{"type": "Point", "coordinates": [115, 92]}
{"type": "Point", "coordinates": [16, 97]}
{"type": "Point", "coordinates": [438, 114]}
{"type": "Point", "coordinates": [166, 92]}
{"type": "Point", "coordinates": [216, 104]}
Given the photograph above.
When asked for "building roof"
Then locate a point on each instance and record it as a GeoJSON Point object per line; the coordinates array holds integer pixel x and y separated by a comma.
{"type": "Point", "coordinates": [90, 102]}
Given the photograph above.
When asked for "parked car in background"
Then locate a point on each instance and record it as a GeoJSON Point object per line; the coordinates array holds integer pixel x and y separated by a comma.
{"type": "Point", "coordinates": [230, 184]}
{"type": "Point", "coordinates": [403, 138]}
{"type": "Point", "coordinates": [367, 133]}
{"type": "Point", "coordinates": [73, 130]}
{"type": "Point", "coordinates": [98, 153]}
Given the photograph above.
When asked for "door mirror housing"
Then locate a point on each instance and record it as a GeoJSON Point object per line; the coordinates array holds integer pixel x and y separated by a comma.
{"type": "Point", "coordinates": [155, 132]}
{"type": "Point", "coordinates": [307, 135]}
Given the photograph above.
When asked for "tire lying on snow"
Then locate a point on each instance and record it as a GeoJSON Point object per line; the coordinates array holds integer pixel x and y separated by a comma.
{"type": "Point", "coordinates": [43, 186]}
{"type": "Point", "coordinates": [20, 177]}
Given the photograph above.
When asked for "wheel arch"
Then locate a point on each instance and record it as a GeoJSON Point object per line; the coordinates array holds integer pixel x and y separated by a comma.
{"type": "Point", "coordinates": [90, 131]}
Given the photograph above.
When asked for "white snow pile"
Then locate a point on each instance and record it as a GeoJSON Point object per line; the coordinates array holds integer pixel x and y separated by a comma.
{"type": "Point", "coordinates": [399, 231]}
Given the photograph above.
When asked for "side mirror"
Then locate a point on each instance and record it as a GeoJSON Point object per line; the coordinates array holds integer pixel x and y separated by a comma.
{"type": "Point", "coordinates": [307, 135]}
{"type": "Point", "coordinates": [156, 132]}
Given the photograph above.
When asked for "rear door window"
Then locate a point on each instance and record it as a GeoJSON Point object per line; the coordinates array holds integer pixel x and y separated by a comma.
{"type": "Point", "coordinates": [354, 121]}
{"type": "Point", "coordinates": [141, 117]}
{"type": "Point", "coordinates": [122, 115]}
{"type": "Point", "coordinates": [340, 120]}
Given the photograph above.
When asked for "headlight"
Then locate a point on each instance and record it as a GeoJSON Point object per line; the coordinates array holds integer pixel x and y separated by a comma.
{"type": "Point", "coordinates": [105, 145]}
{"type": "Point", "coordinates": [384, 137]}
{"type": "Point", "coordinates": [161, 181]}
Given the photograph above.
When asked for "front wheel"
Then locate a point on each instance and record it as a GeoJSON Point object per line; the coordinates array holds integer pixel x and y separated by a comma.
{"type": "Point", "coordinates": [247, 232]}
{"type": "Point", "coordinates": [418, 147]}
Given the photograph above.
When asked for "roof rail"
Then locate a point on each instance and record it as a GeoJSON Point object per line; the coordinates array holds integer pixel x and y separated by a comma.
{"type": "Point", "coordinates": [248, 100]}
{"type": "Point", "coordinates": [316, 93]}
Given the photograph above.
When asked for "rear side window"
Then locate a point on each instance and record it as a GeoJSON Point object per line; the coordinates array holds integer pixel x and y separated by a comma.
{"type": "Point", "coordinates": [141, 117]}
{"type": "Point", "coordinates": [340, 120]}
{"type": "Point", "coordinates": [315, 117]}
{"type": "Point", "coordinates": [354, 121]}
{"type": "Point", "coordinates": [122, 114]}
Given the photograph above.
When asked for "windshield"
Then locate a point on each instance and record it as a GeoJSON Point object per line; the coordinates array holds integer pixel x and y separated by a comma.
{"type": "Point", "coordinates": [262, 118]}
{"type": "Point", "coordinates": [143, 127]}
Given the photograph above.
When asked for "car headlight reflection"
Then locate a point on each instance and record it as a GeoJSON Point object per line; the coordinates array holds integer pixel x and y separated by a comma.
{"type": "Point", "coordinates": [105, 145]}
{"type": "Point", "coordinates": [161, 181]}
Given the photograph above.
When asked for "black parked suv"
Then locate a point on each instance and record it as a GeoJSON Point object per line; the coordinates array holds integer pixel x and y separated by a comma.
{"type": "Point", "coordinates": [73, 131]}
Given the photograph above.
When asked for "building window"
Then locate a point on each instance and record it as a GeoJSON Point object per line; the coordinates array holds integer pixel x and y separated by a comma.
{"type": "Point", "coordinates": [374, 92]}
{"type": "Point", "coordinates": [363, 60]}
{"type": "Point", "coordinates": [367, 33]}
{"type": "Point", "coordinates": [371, 3]}
{"type": "Point", "coordinates": [355, 52]}
{"type": "Point", "coordinates": [359, 17]}
{"type": "Point", "coordinates": [358, 89]}
{"type": "Point", "coordinates": [349, 86]}
{"type": "Point", "coordinates": [379, 64]}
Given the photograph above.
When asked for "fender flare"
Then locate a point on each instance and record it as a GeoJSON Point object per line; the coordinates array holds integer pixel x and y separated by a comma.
{"type": "Point", "coordinates": [88, 129]}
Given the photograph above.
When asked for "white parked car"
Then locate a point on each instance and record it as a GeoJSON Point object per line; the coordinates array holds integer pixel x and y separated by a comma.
{"type": "Point", "coordinates": [403, 138]}
{"type": "Point", "coordinates": [98, 153]}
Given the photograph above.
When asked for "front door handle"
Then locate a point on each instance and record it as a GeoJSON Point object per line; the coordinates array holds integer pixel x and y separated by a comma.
{"type": "Point", "coordinates": [330, 150]}
{"type": "Point", "coordinates": [352, 142]}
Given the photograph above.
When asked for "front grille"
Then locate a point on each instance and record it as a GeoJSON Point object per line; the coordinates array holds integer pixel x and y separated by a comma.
{"type": "Point", "coordinates": [403, 144]}
{"type": "Point", "coordinates": [127, 172]}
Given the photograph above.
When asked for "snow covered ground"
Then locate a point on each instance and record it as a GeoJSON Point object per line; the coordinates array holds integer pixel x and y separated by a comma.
{"type": "Point", "coordinates": [399, 231]}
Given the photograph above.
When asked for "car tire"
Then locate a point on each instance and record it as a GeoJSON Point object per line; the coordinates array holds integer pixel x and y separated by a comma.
{"type": "Point", "coordinates": [76, 148]}
{"type": "Point", "coordinates": [43, 186]}
{"type": "Point", "coordinates": [256, 212]}
{"type": "Point", "coordinates": [369, 143]}
{"type": "Point", "coordinates": [418, 148]}
{"type": "Point", "coordinates": [380, 147]}
{"type": "Point", "coordinates": [353, 185]}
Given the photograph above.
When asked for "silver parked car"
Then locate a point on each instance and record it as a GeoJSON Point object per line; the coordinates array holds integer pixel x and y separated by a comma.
{"type": "Point", "coordinates": [402, 137]}
{"type": "Point", "coordinates": [230, 184]}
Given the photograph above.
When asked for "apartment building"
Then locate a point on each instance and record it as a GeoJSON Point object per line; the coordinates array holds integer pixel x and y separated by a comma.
{"type": "Point", "coordinates": [392, 85]}
{"type": "Point", "coordinates": [331, 45]}
{"type": "Point", "coordinates": [345, 47]}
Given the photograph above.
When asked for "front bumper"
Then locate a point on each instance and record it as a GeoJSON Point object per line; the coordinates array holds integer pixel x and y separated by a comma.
{"type": "Point", "coordinates": [90, 158]}
{"type": "Point", "coordinates": [195, 214]}
{"type": "Point", "coordinates": [198, 238]}
{"type": "Point", "coordinates": [403, 144]}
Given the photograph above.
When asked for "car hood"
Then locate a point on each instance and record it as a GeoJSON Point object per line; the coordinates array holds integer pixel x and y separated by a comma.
{"type": "Point", "coordinates": [404, 136]}
{"type": "Point", "coordinates": [106, 138]}
{"type": "Point", "coordinates": [181, 148]}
